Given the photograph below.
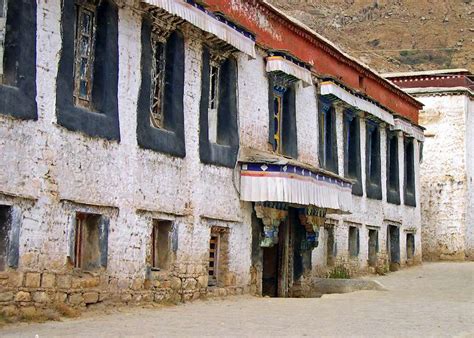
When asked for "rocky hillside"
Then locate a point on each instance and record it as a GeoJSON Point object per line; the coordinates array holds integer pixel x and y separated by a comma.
{"type": "Point", "coordinates": [394, 35]}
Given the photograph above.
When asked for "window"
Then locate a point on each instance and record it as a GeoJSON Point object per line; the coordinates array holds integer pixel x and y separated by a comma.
{"type": "Point", "coordinates": [373, 247]}
{"type": "Point", "coordinates": [88, 68]}
{"type": "Point", "coordinates": [218, 121]}
{"type": "Point", "coordinates": [327, 137]}
{"type": "Point", "coordinates": [353, 241]}
{"type": "Point", "coordinates": [10, 218]}
{"type": "Point", "coordinates": [410, 198]}
{"type": "Point", "coordinates": [18, 58]}
{"type": "Point", "coordinates": [90, 241]}
{"type": "Point", "coordinates": [373, 180]}
{"type": "Point", "coordinates": [160, 114]}
{"type": "Point", "coordinates": [330, 246]}
{"type": "Point", "coordinates": [160, 249]}
{"type": "Point", "coordinates": [218, 257]}
{"type": "Point", "coordinates": [352, 168]}
{"type": "Point", "coordinates": [84, 54]}
{"type": "Point", "coordinates": [393, 185]}
{"type": "Point", "coordinates": [410, 246]}
{"type": "Point", "coordinates": [4, 236]}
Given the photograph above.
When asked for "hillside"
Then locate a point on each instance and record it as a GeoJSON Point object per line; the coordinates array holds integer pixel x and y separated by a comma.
{"type": "Point", "coordinates": [394, 35]}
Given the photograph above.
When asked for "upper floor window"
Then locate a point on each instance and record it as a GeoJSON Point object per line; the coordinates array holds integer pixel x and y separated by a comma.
{"type": "Point", "coordinates": [327, 137]}
{"type": "Point", "coordinates": [393, 185]}
{"type": "Point", "coordinates": [282, 107]}
{"type": "Point", "coordinates": [409, 191]}
{"type": "Point", "coordinates": [218, 122]}
{"type": "Point", "coordinates": [87, 79]}
{"type": "Point", "coordinates": [18, 58]}
{"type": "Point", "coordinates": [352, 165]}
{"type": "Point", "coordinates": [84, 52]}
{"type": "Point", "coordinates": [160, 114]}
{"type": "Point", "coordinates": [373, 176]}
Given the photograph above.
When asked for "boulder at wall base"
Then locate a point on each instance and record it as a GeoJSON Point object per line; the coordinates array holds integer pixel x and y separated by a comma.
{"type": "Point", "coordinates": [332, 285]}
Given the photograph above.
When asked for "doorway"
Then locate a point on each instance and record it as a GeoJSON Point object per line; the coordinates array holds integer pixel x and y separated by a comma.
{"type": "Point", "coordinates": [393, 233]}
{"type": "Point", "coordinates": [410, 248]}
{"type": "Point", "coordinates": [373, 247]}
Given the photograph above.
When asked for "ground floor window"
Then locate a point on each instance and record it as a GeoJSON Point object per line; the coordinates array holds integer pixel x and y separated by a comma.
{"type": "Point", "coordinates": [160, 248]}
{"type": "Point", "coordinates": [353, 241]}
{"type": "Point", "coordinates": [410, 246]}
{"type": "Point", "coordinates": [373, 246]}
{"type": "Point", "coordinates": [90, 241]}
{"type": "Point", "coordinates": [218, 256]}
{"type": "Point", "coordinates": [330, 246]}
{"type": "Point", "coordinates": [4, 235]}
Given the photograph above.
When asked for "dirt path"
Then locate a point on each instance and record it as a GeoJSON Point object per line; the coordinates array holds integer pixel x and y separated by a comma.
{"type": "Point", "coordinates": [432, 300]}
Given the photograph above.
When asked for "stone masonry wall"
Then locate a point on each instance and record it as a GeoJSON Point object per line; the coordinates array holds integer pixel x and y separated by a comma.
{"type": "Point", "coordinates": [446, 182]}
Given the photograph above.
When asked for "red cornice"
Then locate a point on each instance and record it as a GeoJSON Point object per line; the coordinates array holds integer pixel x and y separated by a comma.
{"type": "Point", "coordinates": [285, 34]}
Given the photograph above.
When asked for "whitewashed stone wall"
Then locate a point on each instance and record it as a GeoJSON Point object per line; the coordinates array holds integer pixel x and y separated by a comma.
{"type": "Point", "coordinates": [447, 176]}
{"type": "Point", "coordinates": [51, 172]}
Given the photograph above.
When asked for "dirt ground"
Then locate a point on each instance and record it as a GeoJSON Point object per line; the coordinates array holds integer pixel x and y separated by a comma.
{"type": "Point", "coordinates": [436, 299]}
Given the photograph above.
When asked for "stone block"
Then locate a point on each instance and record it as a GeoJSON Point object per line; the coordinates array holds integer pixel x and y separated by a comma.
{"type": "Point", "coordinates": [103, 296]}
{"type": "Point", "coordinates": [33, 280]}
{"type": "Point", "coordinates": [126, 297]}
{"type": "Point", "coordinates": [6, 296]}
{"type": "Point", "coordinates": [63, 281]}
{"type": "Point", "coordinates": [85, 282]}
{"type": "Point", "coordinates": [175, 283]}
{"type": "Point", "coordinates": [61, 297]}
{"type": "Point", "coordinates": [28, 312]}
{"type": "Point", "coordinates": [202, 281]}
{"type": "Point", "coordinates": [137, 284]}
{"type": "Point", "coordinates": [15, 279]}
{"type": "Point", "coordinates": [48, 280]}
{"type": "Point", "coordinates": [189, 284]}
{"type": "Point", "coordinates": [90, 297]}
{"type": "Point", "coordinates": [75, 299]}
{"type": "Point", "coordinates": [41, 297]}
{"type": "Point", "coordinates": [23, 296]}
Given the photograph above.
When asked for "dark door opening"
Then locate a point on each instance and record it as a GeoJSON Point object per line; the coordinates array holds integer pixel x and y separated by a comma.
{"type": "Point", "coordinates": [270, 273]}
{"type": "Point", "coordinates": [394, 247]}
{"type": "Point", "coordinates": [330, 246]}
{"type": "Point", "coordinates": [410, 248]}
{"type": "Point", "coordinates": [373, 247]}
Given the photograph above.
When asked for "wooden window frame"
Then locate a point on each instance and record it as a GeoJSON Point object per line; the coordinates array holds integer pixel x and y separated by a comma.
{"type": "Point", "coordinates": [158, 72]}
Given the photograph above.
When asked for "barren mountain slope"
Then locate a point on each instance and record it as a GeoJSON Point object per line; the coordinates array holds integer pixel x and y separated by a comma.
{"type": "Point", "coordinates": [394, 35]}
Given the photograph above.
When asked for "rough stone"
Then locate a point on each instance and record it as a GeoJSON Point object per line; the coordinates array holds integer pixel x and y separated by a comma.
{"type": "Point", "coordinates": [48, 280]}
{"type": "Point", "coordinates": [6, 296]}
{"type": "Point", "coordinates": [23, 296]}
{"type": "Point", "coordinates": [40, 297]}
{"type": "Point", "coordinates": [75, 298]}
{"type": "Point", "coordinates": [64, 281]}
{"type": "Point", "coordinates": [33, 280]}
{"type": "Point", "coordinates": [90, 297]}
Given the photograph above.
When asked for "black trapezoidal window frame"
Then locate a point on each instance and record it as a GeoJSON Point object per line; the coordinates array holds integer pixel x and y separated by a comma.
{"type": "Point", "coordinates": [170, 139]}
{"type": "Point", "coordinates": [224, 151]}
{"type": "Point", "coordinates": [352, 159]}
{"type": "Point", "coordinates": [409, 189]}
{"type": "Point", "coordinates": [393, 169]}
{"type": "Point", "coordinates": [327, 144]}
{"type": "Point", "coordinates": [18, 92]}
{"type": "Point", "coordinates": [373, 161]}
{"type": "Point", "coordinates": [103, 120]}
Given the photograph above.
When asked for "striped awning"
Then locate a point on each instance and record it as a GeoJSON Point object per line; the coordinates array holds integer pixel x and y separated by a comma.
{"type": "Point", "coordinates": [335, 92]}
{"type": "Point", "coordinates": [280, 64]}
{"type": "Point", "coordinates": [208, 22]}
{"type": "Point", "coordinates": [261, 182]}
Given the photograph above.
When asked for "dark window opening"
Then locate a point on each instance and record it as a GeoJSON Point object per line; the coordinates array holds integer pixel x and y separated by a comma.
{"type": "Point", "coordinates": [161, 250]}
{"type": "Point", "coordinates": [5, 225]}
{"type": "Point", "coordinates": [278, 120]}
{"type": "Point", "coordinates": [87, 81]}
{"type": "Point", "coordinates": [90, 241]}
{"type": "Point", "coordinates": [410, 246]}
{"type": "Point", "coordinates": [218, 258]}
{"type": "Point", "coordinates": [218, 133]}
{"type": "Point", "coordinates": [352, 165]}
{"type": "Point", "coordinates": [330, 246]}
{"type": "Point", "coordinates": [373, 179]}
{"type": "Point", "coordinates": [361, 82]}
{"type": "Point", "coordinates": [410, 198]}
{"type": "Point", "coordinates": [328, 137]}
{"type": "Point", "coordinates": [157, 116]}
{"type": "Point", "coordinates": [373, 247]}
{"type": "Point", "coordinates": [84, 54]}
{"type": "Point", "coordinates": [393, 184]}
{"type": "Point", "coordinates": [160, 113]}
{"type": "Point", "coordinates": [354, 245]}
{"type": "Point", "coordinates": [18, 58]}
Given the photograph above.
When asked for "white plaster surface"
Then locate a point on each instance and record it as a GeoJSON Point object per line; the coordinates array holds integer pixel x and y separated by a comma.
{"type": "Point", "coordinates": [52, 172]}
